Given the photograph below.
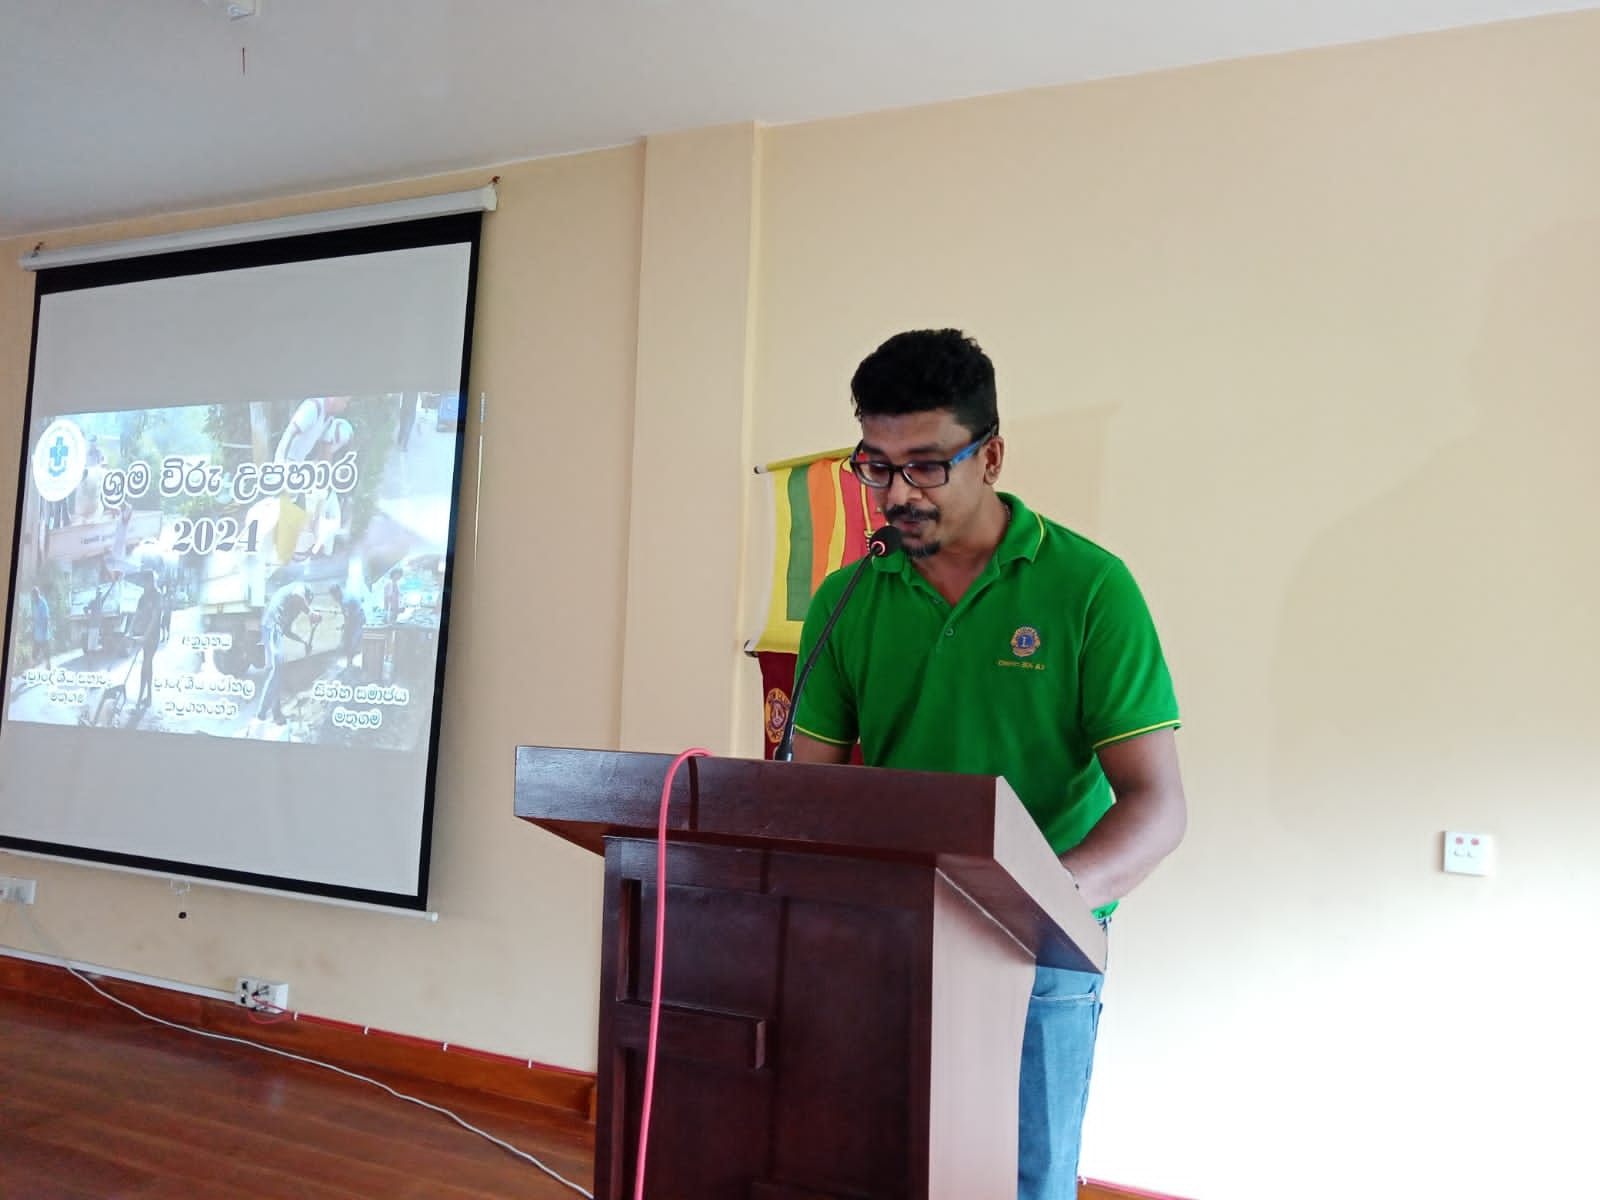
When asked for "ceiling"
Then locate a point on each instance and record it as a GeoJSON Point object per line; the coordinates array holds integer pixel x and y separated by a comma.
{"type": "Point", "coordinates": [115, 108]}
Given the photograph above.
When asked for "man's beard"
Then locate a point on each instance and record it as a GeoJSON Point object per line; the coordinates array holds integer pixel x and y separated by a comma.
{"type": "Point", "coordinates": [901, 512]}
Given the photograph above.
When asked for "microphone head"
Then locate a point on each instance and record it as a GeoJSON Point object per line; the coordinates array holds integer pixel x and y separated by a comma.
{"type": "Point", "coordinates": [884, 542]}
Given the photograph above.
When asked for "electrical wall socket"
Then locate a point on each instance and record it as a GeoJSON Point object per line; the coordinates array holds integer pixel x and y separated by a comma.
{"type": "Point", "coordinates": [1468, 853]}
{"type": "Point", "coordinates": [264, 995]}
{"type": "Point", "coordinates": [16, 891]}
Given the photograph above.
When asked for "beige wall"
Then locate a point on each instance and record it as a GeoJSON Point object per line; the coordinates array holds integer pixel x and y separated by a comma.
{"type": "Point", "coordinates": [1309, 340]}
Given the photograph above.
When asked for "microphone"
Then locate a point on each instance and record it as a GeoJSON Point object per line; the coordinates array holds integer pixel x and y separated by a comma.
{"type": "Point", "coordinates": [883, 543]}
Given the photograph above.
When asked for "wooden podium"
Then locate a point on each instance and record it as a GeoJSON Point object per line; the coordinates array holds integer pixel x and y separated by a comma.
{"type": "Point", "coordinates": [849, 954]}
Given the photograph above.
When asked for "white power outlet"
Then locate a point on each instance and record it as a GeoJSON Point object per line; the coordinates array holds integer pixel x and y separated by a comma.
{"type": "Point", "coordinates": [16, 891]}
{"type": "Point", "coordinates": [264, 995]}
{"type": "Point", "coordinates": [1468, 853]}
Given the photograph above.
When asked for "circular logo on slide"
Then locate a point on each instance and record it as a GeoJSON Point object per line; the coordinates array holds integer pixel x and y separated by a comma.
{"type": "Point", "coordinates": [59, 459]}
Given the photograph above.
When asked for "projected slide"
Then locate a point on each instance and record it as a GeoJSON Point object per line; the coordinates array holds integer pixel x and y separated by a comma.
{"type": "Point", "coordinates": [236, 506]}
{"type": "Point", "coordinates": [269, 570]}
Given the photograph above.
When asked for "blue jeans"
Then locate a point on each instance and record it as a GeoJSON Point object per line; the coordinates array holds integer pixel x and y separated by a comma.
{"type": "Point", "coordinates": [1057, 1058]}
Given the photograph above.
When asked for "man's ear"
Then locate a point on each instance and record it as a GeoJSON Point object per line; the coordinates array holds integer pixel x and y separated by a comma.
{"type": "Point", "coordinates": [994, 457]}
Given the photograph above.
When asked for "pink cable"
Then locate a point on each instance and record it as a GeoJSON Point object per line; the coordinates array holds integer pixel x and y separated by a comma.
{"type": "Point", "coordinates": [661, 942]}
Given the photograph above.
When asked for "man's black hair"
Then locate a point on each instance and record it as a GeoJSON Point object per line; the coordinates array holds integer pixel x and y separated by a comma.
{"type": "Point", "coordinates": [926, 369]}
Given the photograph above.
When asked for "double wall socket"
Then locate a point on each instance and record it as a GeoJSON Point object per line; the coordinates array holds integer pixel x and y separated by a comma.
{"type": "Point", "coordinates": [1468, 853]}
{"type": "Point", "coordinates": [16, 891]}
{"type": "Point", "coordinates": [264, 995]}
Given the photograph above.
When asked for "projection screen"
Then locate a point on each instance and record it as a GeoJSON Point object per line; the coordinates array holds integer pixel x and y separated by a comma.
{"type": "Point", "coordinates": [231, 570]}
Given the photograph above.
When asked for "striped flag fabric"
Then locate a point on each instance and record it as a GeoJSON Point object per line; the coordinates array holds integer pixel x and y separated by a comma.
{"type": "Point", "coordinates": [821, 518]}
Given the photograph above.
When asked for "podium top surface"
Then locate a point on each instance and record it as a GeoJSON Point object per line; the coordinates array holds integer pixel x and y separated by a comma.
{"type": "Point", "coordinates": [972, 828]}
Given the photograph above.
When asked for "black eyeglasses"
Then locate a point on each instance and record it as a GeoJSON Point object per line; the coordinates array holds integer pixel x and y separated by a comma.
{"type": "Point", "coordinates": [875, 473]}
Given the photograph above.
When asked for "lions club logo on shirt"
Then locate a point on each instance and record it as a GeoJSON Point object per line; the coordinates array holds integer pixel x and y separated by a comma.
{"type": "Point", "coordinates": [1025, 642]}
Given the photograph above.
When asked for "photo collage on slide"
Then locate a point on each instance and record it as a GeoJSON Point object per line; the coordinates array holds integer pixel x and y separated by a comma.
{"type": "Point", "coordinates": [270, 570]}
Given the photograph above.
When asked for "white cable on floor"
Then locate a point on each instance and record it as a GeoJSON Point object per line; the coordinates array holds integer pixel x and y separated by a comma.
{"type": "Point", "coordinates": [223, 1037]}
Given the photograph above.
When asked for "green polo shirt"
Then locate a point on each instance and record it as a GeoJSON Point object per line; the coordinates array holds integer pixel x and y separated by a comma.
{"type": "Point", "coordinates": [1049, 656]}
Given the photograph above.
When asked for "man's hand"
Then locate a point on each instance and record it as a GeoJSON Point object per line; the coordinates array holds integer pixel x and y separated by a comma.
{"type": "Point", "coordinates": [1145, 824]}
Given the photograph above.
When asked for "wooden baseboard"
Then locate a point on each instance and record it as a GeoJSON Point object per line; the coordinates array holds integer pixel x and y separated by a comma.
{"type": "Point", "coordinates": [353, 1047]}
{"type": "Point", "coordinates": [1093, 1189]}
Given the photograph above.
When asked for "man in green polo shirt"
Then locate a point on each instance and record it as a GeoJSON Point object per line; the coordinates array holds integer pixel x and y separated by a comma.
{"type": "Point", "coordinates": [997, 642]}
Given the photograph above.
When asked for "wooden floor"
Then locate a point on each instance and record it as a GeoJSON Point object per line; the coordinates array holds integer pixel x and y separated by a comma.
{"type": "Point", "coordinates": [104, 1104]}
{"type": "Point", "coordinates": [98, 1103]}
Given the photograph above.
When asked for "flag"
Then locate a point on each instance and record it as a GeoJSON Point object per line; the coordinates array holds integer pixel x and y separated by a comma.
{"type": "Point", "coordinates": [821, 518]}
